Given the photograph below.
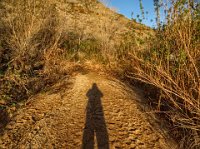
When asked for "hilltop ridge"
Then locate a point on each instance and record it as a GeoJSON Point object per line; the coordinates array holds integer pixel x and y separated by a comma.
{"type": "Point", "coordinates": [92, 18]}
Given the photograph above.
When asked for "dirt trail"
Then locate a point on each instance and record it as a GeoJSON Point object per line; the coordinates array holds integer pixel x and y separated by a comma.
{"type": "Point", "coordinates": [91, 111]}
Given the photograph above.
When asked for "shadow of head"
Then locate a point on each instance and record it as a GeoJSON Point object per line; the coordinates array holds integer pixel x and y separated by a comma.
{"type": "Point", "coordinates": [94, 92]}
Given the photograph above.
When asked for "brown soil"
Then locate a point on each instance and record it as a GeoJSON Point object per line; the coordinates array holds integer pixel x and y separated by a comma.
{"type": "Point", "coordinates": [87, 111]}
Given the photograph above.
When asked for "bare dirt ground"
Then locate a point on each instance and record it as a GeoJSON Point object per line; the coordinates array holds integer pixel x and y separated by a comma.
{"type": "Point", "coordinates": [86, 111]}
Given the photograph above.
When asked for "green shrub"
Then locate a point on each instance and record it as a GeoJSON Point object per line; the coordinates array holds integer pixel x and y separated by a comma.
{"type": "Point", "coordinates": [170, 64]}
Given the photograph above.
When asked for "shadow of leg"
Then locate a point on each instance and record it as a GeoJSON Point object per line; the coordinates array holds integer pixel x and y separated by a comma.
{"type": "Point", "coordinates": [88, 134]}
{"type": "Point", "coordinates": [88, 139]}
{"type": "Point", "coordinates": [101, 133]}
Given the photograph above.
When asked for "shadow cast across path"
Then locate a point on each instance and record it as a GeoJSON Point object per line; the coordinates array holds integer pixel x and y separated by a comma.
{"type": "Point", "coordinates": [95, 124]}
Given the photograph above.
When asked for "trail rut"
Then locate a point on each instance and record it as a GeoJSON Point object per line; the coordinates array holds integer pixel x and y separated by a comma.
{"type": "Point", "coordinates": [86, 111]}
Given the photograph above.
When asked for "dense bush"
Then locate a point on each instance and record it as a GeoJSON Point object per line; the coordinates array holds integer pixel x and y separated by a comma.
{"type": "Point", "coordinates": [29, 31]}
{"type": "Point", "coordinates": [170, 64]}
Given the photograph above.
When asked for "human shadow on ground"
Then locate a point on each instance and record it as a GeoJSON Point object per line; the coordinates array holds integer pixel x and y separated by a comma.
{"type": "Point", "coordinates": [95, 122]}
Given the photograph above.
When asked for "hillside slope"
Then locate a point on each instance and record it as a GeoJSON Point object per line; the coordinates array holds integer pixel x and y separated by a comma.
{"type": "Point", "coordinates": [38, 38]}
{"type": "Point", "coordinates": [41, 44]}
{"type": "Point", "coordinates": [93, 18]}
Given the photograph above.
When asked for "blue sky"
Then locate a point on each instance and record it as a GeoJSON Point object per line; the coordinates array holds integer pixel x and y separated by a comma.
{"type": "Point", "coordinates": [126, 7]}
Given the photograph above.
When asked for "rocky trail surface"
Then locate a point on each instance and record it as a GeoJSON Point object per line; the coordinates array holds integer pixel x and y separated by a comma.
{"type": "Point", "coordinates": [86, 111]}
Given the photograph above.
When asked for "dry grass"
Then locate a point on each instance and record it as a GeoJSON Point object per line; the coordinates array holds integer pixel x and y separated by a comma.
{"type": "Point", "coordinates": [37, 38]}
{"type": "Point", "coordinates": [170, 67]}
{"type": "Point", "coordinates": [38, 45]}
{"type": "Point", "coordinates": [30, 35]}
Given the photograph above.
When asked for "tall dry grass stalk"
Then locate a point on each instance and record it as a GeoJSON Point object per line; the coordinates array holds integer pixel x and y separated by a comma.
{"type": "Point", "coordinates": [171, 66]}
{"type": "Point", "coordinates": [29, 30]}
